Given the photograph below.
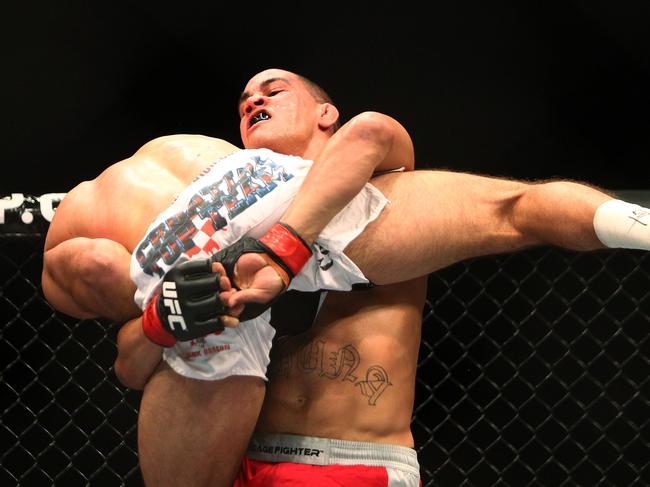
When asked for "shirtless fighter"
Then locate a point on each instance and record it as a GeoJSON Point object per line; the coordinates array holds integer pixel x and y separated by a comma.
{"type": "Point", "coordinates": [434, 219]}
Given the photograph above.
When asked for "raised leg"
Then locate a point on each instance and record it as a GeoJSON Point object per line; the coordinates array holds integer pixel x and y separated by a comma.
{"type": "Point", "coordinates": [193, 432]}
{"type": "Point", "coordinates": [437, 218]}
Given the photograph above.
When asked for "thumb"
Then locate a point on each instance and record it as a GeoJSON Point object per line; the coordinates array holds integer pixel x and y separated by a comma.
{"type": "Point", "coordinates": [240, 298]}
{"type": "Point", "coordinates": [246, 268]}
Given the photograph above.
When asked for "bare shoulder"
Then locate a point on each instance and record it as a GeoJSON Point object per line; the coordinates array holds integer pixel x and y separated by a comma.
{"type": "Point", "coordinates": [185, 142]}
{"type": "Point", "coordinates": [183, 155]}
{"type": "Point", "coordinates": [71, 211]}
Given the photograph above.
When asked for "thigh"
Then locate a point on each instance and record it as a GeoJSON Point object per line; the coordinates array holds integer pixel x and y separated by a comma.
{"type": "Point", "coordinates": [195, 432]}
{"type": "Point", "coordinates": [434, 219]}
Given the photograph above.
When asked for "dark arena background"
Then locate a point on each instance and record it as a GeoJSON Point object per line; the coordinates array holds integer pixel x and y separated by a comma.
{"type": "Point", "coordinates": [533, 366]}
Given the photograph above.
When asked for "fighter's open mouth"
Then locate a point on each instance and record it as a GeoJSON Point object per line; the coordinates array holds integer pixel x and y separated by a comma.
{"type": "Point", "coordinates": [259, 117]}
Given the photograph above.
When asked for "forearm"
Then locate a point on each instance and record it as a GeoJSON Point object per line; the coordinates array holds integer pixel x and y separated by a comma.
{"type": "Point", "coordinates": [137, 357]}
{"type": "Point", "coordinates": [368, 143]}
{"type": "Point", "coordinates": [79, 274]}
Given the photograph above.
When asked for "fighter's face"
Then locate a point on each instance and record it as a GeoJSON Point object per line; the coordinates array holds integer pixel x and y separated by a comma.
{"type": "Point", "coordinates": [277, 111]}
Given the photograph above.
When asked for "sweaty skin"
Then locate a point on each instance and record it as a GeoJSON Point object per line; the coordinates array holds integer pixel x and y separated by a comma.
{"type": "Point", "coordinates": [352, 374]}
{"type": "Point", "coordinates": [99, 223]}
{"type": "Point", "coordinates": [90, 236]}
{"type": "Point", "coordinates": [434, 219]}
{"type": "Point", "coordinates": [86, 274]}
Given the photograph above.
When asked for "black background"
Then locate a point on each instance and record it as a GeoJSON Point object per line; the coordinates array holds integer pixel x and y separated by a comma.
{"type": "Point", "coordinates": [524, 89]}
{"type": "Point", "coordinates": [511, 387]}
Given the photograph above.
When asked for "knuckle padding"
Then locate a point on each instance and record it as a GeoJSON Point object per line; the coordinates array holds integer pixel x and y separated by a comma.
{"type": "Point", "coordinates": [195, 266]}
{"type": "Point", "coordinates": [197, 289]}
{"type": "Point", "coordinates": [200, 287]}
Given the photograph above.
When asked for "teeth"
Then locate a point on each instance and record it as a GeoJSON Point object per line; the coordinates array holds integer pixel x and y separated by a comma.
{"type": "Point", "coordinates": [259, 117]}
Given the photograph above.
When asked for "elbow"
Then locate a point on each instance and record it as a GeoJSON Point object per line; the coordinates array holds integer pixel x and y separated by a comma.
{"type": "Point", "coordinates": [132, 367]}
{"type": "Point", "coordinates": [128, 373]}
{"type": "Point", "coordinates": [373, 126]}
{"type": "Point", "coordinates": [387, 137]}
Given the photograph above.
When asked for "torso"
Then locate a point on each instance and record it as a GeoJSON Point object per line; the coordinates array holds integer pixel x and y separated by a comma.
{"type": "Point", "coordinates": [352, 374]}
{"type": "Point", "coordinates": [140, 187]}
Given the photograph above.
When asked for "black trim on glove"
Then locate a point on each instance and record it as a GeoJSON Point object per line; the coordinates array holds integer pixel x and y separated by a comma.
{"type": "Point", "coordinates": [189, 306]}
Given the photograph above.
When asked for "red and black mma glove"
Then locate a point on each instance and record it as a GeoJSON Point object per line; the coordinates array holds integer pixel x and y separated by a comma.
{"type": "Point", "coordinates": [187, 307]}
{"type": "Point", "coordinates": [282, 248]}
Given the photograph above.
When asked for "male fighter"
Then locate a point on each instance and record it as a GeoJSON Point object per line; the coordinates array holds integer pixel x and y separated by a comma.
{"type": "Point", "coordinates": [499, 216]}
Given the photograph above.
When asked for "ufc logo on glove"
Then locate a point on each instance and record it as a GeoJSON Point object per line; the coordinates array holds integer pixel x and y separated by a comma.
{"type": "Point", "coordinates": [171, 302]}
{"type": "Point", "coordinates": [187, 306]}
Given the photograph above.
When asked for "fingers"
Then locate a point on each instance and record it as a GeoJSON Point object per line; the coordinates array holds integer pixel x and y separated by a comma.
{"type": "Point", "coordinates": [224, 282]}
{"type": "Point", "coordinates": [229, 321]}
{"type": "Point", "coordinates": [236, 310]}
{"type": "Point", "coordinates": [240, 298]}
{"type": "Point", "coordinates": [259, 283]}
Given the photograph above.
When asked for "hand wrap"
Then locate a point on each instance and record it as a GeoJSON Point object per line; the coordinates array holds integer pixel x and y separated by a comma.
{"type": "Point", "coordinates": [187, 307]}
{"type": "Point", "coordinates": [282, 248]}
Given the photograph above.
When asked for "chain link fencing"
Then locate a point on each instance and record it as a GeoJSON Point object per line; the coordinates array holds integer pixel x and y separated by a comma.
{"type": "Point", "coordinates": [533, 370]}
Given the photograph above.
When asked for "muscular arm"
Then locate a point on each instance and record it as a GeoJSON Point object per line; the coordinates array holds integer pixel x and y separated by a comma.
{"type": "Point", "coordinates": [137, 357]}
{"type": "Point", "coordinates": [87, 278]}
{"type": "Point", "coordinates": [438, 218]}
{"type": "Point", "coordinates": [370, 142]}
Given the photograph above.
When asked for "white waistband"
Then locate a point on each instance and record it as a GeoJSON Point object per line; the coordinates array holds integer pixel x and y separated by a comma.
{"type": "Point", "coordinates": [329, 451]}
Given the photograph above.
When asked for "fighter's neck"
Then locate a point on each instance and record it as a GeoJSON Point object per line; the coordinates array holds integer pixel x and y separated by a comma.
{"type": "Point", "coordinates": [312, 149]}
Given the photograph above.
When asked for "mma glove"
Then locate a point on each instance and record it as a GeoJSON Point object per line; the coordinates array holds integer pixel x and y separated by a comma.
{"type": "Point", "coordinates": [187, 306]}
{"type": "Point", "coordinates": [282, 248]}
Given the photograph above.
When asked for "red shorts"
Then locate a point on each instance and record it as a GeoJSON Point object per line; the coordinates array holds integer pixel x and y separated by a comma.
{"type": "Point", "coordinates": [305, 461]}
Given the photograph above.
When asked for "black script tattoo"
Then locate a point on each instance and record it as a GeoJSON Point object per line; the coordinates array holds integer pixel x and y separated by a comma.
{"type": "Point", "coordinates": [342, 363]}
{"type": "Point", "coordinates": [310, 357]}
{"type": "Point", "coordinates": [279, 367]}
{"type": "Point", "coordinates": [339, 365]}
{"type": "Point", "coordinates": [375, 384]}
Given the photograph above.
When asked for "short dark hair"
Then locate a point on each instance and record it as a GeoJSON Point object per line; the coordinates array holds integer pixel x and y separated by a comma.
{"type": "Point", "coordinates": [320, 95]}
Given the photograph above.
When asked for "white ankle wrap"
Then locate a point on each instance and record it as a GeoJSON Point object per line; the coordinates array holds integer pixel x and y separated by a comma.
{"type": "Point", "coordinates": [623, 225]}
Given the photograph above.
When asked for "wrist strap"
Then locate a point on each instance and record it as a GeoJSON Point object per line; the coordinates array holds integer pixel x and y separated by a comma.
{"type": "Point", "coordinates": [285, 242]}
{"type": "Point", "coordinates": [152, 326]}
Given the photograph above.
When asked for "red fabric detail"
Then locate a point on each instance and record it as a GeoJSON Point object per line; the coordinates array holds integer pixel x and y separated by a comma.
{"type": "Point", "coordinates": [152, 326]}
{"type": "Point", "coordinates": [192, 251]}
{"type": "Point", "coordinates": [204, 238]}
{"type": "Point", "coordinates": [289, 247]}
{"type": "Point", "coordinates": [255, 473]}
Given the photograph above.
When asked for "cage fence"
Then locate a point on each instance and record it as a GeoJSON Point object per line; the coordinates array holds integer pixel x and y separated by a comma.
{"type": "Point", "coordinates": [533, 370]}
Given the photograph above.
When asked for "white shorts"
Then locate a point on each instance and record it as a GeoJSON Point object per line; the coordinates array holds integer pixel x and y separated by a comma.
{"type": "Point", "coordinates": [197, 225]}
{"type": "Point", "coordinates": [235, 351]}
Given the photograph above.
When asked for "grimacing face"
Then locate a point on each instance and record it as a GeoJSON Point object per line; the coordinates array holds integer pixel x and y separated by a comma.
{"type": "Point", "coordinates": [277, 111]}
